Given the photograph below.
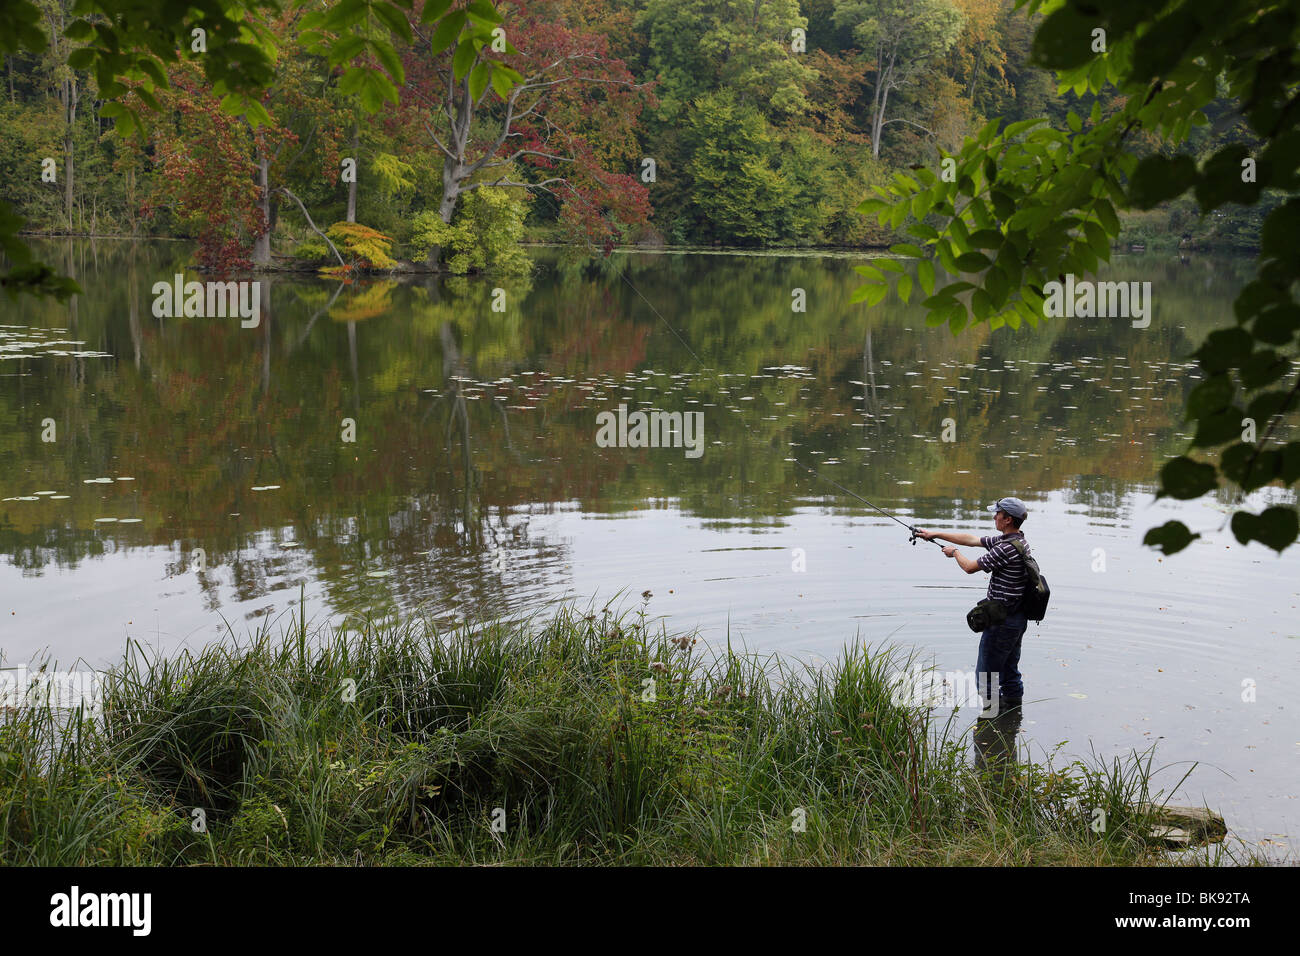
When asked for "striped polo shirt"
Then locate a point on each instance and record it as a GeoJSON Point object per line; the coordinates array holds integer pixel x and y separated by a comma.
{"type": "Point", "coordinates": [1008, 575]}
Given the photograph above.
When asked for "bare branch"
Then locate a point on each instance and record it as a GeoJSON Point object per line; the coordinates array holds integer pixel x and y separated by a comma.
{"type": "Point", "coordinates": [434, 136]}
{"type": "Point", "coordinates": [909, 123]}
{"type": "Point", "coordinates": [307, 216]}
{"type": "Point", "coordinates": [510, 182]}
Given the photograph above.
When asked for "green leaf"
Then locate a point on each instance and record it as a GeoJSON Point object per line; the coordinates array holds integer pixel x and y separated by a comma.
{"type": "Point", "coordinates": [478, 81]}
{"type": "Point", "coordinates": [1218, 427]}
{"type": "Point", "coordinates": [1267, 404]}
{"type": "Point", "coordinates": [447, 31]}
{"type": "Point", "coordinates": [973, 262]}
{"type": "Point", "coordinates": [1277, 527]}
{"type": "Point", "coordinates": [464, 59]}
{"type": "Point", "coordinates": [371, 88]}
{"type": "Point", "coordinates": [1263, 368]}
{"type": "Point", "coordinates": [392, 17]}
{"type": "Point", "coordinates": [1221, 180]}
{"type": "Point", "coordinates": [905, 288]}
{"type": "Point", "coordinates": [1210, 396]}
{"type": "Point", "coordinates": [907, 249]}
{"type": "Point", "coordinates": [1171, 537]}
{"type": "Point", "coordinates": [1278, 325]}
{"type": "Point", "coordinates": [345, 49]}
{"type": "Point", "coordinates": [1098, 240]}
{"type": "Point", "coordinates": [1289, 457]}
{"type": "Point", "coordinates": [79, 31]}
{"type": "Point", "coordinates": [1003, 205]}
{"type": "Point", "coordinates": [483, 10]}
{"type": "Point", "coordinates": [501, 82]}
{"type": "Point", "coordinates": [1224, 349]}
{"type": "Point", "coordinates": [1158, 179]}
{"type": "Point", "coordinates": [1240, 463]}
{"type": "Point", "coordinates": [925, 275]}
{"type": "Point", "coordinates": [1064, 39]}
{"type": "Point", "coordinates": [1184, 479]}
{"type": "Point", "coordinates": [1021, 126]}
{"type": "Point", "coordinates": [81, 58]}
{"type": "Point", "coordinates": [433, 10]}
{"type": "Point", "coordinates": [1256, 296]}
{"type": "Point", "coordinates": [389, 59]}
{"type": "Point", "coordinates": [1106, 213]}
{"type": "Point", "coordinates": [150, 68]}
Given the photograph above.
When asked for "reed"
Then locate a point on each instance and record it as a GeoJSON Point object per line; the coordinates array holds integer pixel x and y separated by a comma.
{"type": "Point", "coordinates": [589, 737]}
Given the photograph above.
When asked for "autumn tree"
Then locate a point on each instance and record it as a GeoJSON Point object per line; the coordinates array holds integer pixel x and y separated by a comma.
{"type": "Point", "coordinates": [531, 92]}
{"type": "Point", "coordinates": [901, 40]}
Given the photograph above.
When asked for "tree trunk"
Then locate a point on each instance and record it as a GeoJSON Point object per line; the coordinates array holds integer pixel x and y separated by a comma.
{"type": "Point", "coordinates": [352, 186]}
{"type": "Point", "coordinates": [70, 114]}
{"type": "Point", "coordinates": [875, 101]}
{"type": "Point", "coordinates": [452, 176]}
{"type": "Point", "coordinates": [262, 244]}
{"type": "Point", "coordinates": [884, 80]}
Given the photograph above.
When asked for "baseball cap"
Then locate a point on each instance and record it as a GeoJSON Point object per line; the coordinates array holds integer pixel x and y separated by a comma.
{"type": "Point", "coordinates": [1012, 506]}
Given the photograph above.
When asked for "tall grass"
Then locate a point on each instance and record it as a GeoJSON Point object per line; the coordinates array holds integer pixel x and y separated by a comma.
{"type": "Point", "coordinates": [583, 739]}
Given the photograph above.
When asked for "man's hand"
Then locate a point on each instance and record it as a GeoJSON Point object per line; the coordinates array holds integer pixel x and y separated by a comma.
{"type": "Point", "coordinates": [950, 551]}
{"type": "Point", "coordinates": [926, 535]}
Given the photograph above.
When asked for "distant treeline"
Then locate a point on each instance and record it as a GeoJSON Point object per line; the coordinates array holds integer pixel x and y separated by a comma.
{"type": "Point", "coordinates": [738, 122]}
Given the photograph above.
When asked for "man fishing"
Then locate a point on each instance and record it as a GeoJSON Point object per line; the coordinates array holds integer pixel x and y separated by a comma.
{"type": "Point", "coordinates": [1000, 643]}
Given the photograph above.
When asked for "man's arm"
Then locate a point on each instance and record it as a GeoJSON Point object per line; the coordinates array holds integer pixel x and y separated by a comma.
{"type": "Point", "coordinates": [968, 565]}
{"type": "Point", "coordinates": [956, 537]}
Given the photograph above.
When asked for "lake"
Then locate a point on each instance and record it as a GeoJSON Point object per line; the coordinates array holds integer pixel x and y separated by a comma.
{"type": "Point", "coordinates": [387, 448]}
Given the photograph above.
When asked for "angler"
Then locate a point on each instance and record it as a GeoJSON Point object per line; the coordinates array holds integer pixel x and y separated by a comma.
{"type": "Point", "coordinates": [1003, 615]}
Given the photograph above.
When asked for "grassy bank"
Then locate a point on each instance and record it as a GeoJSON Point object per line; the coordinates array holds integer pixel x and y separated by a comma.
{"type": "Point", "coordinates": [394, 746]}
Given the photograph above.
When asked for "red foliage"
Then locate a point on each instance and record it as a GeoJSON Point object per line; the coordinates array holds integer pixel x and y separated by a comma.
{"type": "Point", "coordinates": [589, 118]}
{"type": "Point", "coordinates": [205, 172]}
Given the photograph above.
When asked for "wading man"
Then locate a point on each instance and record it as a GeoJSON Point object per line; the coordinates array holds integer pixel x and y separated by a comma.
{"type": "Point", "coordinates": [999, 651]}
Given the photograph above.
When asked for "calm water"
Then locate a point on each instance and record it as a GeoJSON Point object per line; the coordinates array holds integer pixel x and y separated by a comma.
{"type": "Point", "coordinates": [475, 485]}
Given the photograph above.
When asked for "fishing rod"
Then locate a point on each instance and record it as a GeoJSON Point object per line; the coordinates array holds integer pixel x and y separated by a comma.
{"type": "Point", "coordinates": [853, 494]}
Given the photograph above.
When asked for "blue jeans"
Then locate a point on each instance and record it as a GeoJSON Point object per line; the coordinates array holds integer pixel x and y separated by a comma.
{"type": "Point", "coordinates": [1000, 654]}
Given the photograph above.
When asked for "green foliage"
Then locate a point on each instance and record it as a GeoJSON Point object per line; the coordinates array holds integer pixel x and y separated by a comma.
{"type": "Point", "coordinates": [700, 46]}
{"type": "Point", "coordinates": [483, 237]}
{"type": "Point", "coordinates": [312, 250]}
{"type": "Point", "coordinates": [1026, 203]}
{"type": "Point", "coordinates": [368, 248]}
{"type": "Point", "coordinates": [751, 184]}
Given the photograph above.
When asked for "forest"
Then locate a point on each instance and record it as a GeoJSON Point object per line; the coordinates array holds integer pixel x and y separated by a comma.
{"type": "Point", "coordinates": [377, 140]}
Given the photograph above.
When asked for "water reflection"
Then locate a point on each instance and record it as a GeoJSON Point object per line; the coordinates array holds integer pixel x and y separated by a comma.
{"type": "Point", "coordinates": [994, 739]}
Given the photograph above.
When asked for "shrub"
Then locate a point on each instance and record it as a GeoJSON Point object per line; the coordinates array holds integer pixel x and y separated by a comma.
{"type": "Point", "coordinates": [482, 237]}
